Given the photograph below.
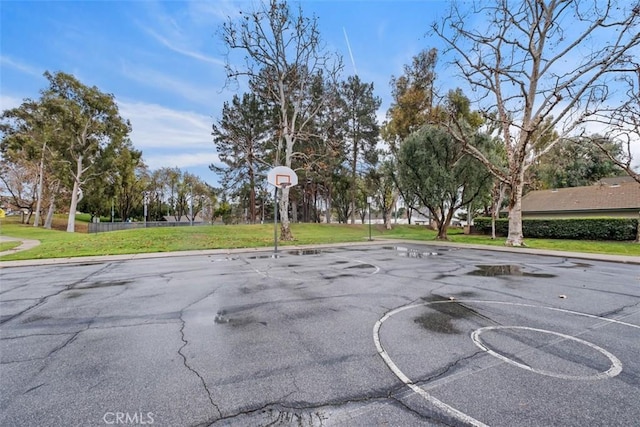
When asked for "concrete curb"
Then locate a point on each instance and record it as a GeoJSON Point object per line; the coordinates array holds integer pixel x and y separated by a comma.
{"type": "Point", "coordinates": [28, 244]}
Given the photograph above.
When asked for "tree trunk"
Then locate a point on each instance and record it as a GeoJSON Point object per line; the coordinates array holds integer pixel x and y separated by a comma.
{"type": "Point", "coordinates": [354, 165]}
{"type": "Point", "coordinates": [50, 211]}
{"type": "Point", "coordinates": [387, 219]}
{"type": "Point", "coordinates": [294, 211]}
{"type": "Point", "coordinates": [493, 226]}
{"type": "Point", "coordinates": [252, 197]}
{"type": "Point", "coordinates": [328, 207]}
{"type": "Point", "coordinates": [36, 222]}
{"type": "Point", "coordinates": [52, 204]}
{"type": "Point", "coordinates": [442, 230]}
{"type": "Point", "coordinates": [71, 222]}
{"type": "Point", "coordinates": [285, 226]}
{"type": "Point", "coordinates": [496, 201]}
{"type": "Point", "coordinates": [515, 237]}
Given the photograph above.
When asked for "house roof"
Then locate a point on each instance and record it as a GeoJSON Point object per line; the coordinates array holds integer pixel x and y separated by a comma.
{"type": "Point", "coordinates": [615, 180]}
{"type": "Point", "coordinates": [623, 196]}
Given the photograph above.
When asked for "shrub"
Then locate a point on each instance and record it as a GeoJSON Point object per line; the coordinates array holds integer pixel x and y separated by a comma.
{"type": "Point", "coordinates": [619, 229]}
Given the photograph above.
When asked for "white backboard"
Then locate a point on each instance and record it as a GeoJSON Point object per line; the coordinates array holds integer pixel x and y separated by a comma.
{"type": "Point", "coordinates": [282, 176]}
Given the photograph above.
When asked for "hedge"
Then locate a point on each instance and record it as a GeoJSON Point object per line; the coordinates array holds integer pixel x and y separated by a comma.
{"type": "Point", "coordinates": [620, 229]}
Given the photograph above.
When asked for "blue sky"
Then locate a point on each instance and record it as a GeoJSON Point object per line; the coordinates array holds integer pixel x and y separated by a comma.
{"type": "Point", "coordinates": [163, 60]}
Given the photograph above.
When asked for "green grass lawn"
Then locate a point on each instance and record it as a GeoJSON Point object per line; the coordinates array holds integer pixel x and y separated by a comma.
{"type": "Point", "coordinates": [5, 246]}
{"type": "Point", "coordinates": [57, 244]}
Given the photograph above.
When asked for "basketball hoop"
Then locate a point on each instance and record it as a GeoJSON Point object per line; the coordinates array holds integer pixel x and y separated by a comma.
{"type": "Point", "coordinates": [282, 177]}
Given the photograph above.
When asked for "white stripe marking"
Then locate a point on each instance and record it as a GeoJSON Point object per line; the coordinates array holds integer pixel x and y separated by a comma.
{"type": "Point", "coordinates": [615, 369]}
{"type": "Point", "coordinates": [449, 410]}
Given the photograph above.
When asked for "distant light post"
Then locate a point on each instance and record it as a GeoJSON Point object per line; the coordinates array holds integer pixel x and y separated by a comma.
{"type": "Point", "coordinates": [369, 200]}
{"type": "Point", "coordinates": [191, 206]}
{"type": "Point", "coordinates": [145, 195]}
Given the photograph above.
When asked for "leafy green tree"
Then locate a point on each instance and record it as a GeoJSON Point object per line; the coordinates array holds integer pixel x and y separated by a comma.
{"type": "Point", "coordinates": [242, 139]}
{"type": "Point", "coordinates": [29, 136]}
{"type": "Point", "coordinates": [381, 185]}
{"type": "Point", "coordinates": [574, 163]}
{"type": "Point", "coordinates": [124, 180]}
{"type": "Point", "coordinates": [413, 98]}
{"type": "Point", "coordinates": [91, 125]}
{"type": "Point", "coordinates": [342, 195]}
{"type": "Point", "coordinates": [433, 168]}
{"type": "Point", "coordinates": [361, 129]}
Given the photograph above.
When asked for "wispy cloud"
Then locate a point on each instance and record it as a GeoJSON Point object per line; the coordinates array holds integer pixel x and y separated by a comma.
{"type": "Point", "coordinates": [199, 94]}
{"type": "Point", "coordinates": [204, 12]}
{"type": "Point", "coordinates": [171, 138]}
{"type": "Point", "coordinates": [17, 65]}
{"type": "Point", "coordinates": [155, 126]}
{"type": "Point", "coordinates": [175, 46]}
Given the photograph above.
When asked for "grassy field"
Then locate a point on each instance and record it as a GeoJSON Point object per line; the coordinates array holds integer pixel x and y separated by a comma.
{"type": "Point", "coordinates": [58, 243]}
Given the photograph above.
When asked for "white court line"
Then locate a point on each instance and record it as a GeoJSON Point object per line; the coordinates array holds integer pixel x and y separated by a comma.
{"type": "Point", "coordinates": [615, 369]}
{"type": "Point", "coordinates": [449, 410]}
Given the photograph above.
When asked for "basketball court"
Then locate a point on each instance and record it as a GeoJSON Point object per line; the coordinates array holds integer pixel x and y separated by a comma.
{"type": "Point", "coordinates": [375, 334]}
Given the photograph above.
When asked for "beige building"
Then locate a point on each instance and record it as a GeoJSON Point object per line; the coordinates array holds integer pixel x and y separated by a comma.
{"type": "Point", "coordinates": [610, 197]}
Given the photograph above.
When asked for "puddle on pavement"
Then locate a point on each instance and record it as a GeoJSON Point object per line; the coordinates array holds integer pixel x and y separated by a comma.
{"type": "Point", "coordinates": [306, 252]}
{"type": "Point", "coordinates": [505, 270]}
{"type": "Point", "coordinates": [36, 318]}
{"type": "Point", "coordinates": [72, 295]}
{"type": "Point", "coordinates": [224, 259]}
{"type": "Point", "coordinates": [441, 318]}
{"type": "Point", "coordinates": [361, 266]}
{"type": "Point", "coordinates": [96, 285]}
{"type": "Point", "coordinates": [272, 256]}
{"type": "Point", "coordinates": [409, 252]}
{"type": "Point", "coordinates": [339, 262]}
{"type": "Point", "coordinates": [222, 319]}
{"type": "Point", "coordinates": [576, 265]}
{"type": "Point", "coordinates": [338, 276]}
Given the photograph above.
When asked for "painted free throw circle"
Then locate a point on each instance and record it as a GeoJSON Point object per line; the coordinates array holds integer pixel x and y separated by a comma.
{"type": "Point", "coordinates": [615, 369]}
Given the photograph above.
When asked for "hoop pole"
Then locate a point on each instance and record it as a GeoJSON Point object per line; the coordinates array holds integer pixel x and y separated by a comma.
{"type": "Point", "coordinates": [275, 221]}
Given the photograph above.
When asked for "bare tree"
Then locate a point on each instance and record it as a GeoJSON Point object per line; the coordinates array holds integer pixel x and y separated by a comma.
{"type": "Point", "coordinates": [283, 55]}
{"type": "Point", "coordinates": [622, 125]}
{"type": "Point", "coordinates": [539, 66]}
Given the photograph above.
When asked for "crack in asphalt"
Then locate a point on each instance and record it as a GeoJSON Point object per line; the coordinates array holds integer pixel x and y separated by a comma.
{"type": "Point", "coordinates": [33, 388]}
{"type": "Point", "coordinates": [44, 299]}
{"type": "Point", "coordinates": [417, 413]}
{"type": "Point", "coordinates": [13, 289]}
{"type": "Point", "coordinates": [618, 310]}
{"type": "Point", "coordinates": [446, 369]}
{"type": "Point", "coordinates": [60, 347]}
{"type": "Point", "coordinates": [35, 335]}
{"type": "Point", "coordinates": [286, 415]}
{"type": "Point", "coordinates": [56, 349]}
{"type": "Point", "coordinates": [186, 342]}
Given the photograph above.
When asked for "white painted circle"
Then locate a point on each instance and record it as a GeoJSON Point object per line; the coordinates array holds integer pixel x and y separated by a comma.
{"type": "Point", "coordinates": [615, 369]}
{"type": "Point", "coordinates": [450, 410]}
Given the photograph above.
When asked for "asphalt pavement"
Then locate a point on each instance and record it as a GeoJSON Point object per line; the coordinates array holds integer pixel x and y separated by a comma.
{"type": "Point", "coordinates": [378, 333]}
